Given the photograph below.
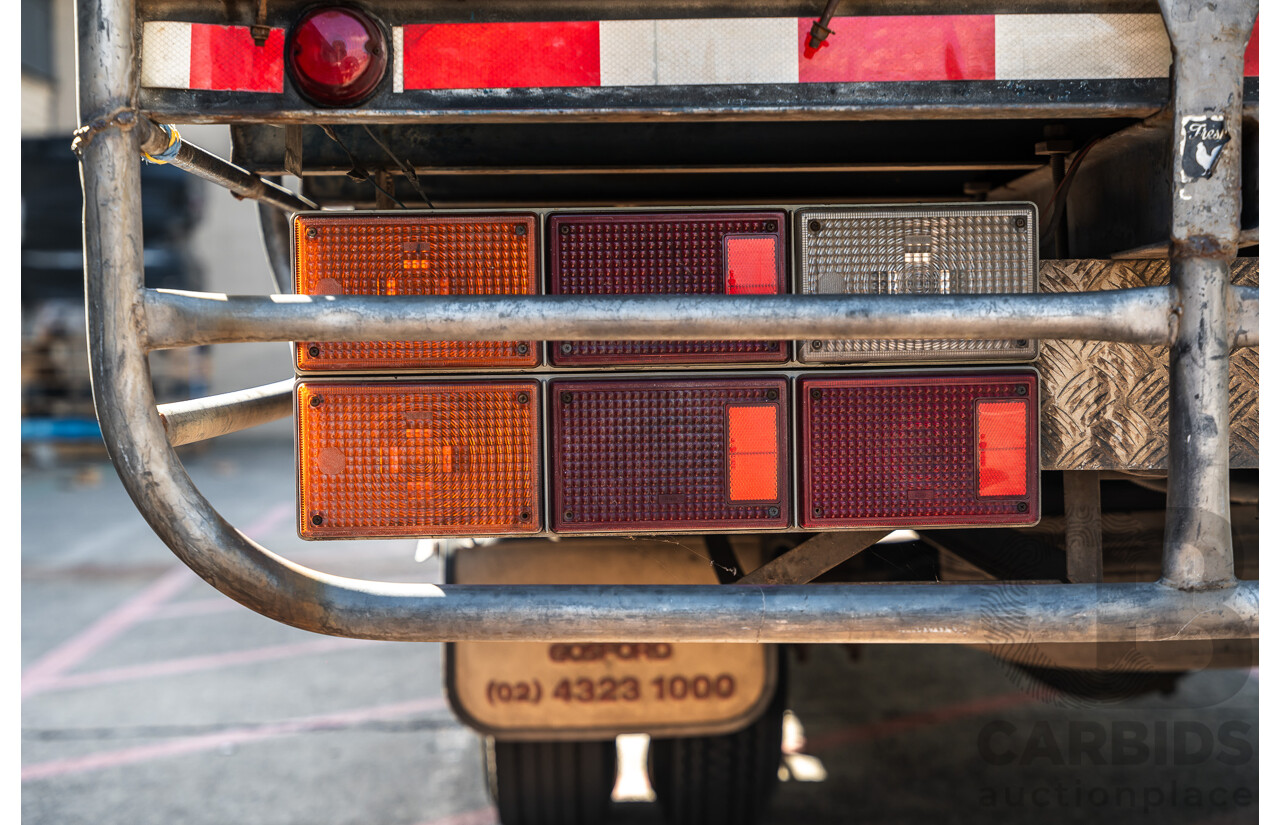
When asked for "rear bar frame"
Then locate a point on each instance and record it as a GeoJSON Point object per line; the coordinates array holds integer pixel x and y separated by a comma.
{"type": "Point", "coordinates": [1198, 597]}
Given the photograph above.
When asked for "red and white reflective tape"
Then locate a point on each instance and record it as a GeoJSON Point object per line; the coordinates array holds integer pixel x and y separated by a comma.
{"type": "Point", "coordinates": [753, 50]}
{"type": "Point", "coordinates": [206, 56]}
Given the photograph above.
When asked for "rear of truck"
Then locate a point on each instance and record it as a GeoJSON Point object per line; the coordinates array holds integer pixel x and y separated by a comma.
{"type": "Point", "coordinates": [685, 336]}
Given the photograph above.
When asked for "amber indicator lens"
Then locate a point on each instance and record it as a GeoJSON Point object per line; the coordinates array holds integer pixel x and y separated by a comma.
{"type": "Point", "coordinates": [416, 255]}
{"type": "Point", "coordinates": [669, 455]}
{"type": "Point", "coordinates": [917, 250]}
{"type": "Point", "coordinates": [919, 451]}
{"type": "Point", "coordinates": [384, 459]}
{"type": "Point", "coordinates": [702, 253]}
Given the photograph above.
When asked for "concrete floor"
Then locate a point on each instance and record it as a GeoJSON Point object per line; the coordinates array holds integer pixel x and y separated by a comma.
{"type": "Point", "coordinates": [150, 698]}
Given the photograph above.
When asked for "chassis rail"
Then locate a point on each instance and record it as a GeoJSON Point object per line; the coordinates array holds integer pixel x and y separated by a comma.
{"type": "Point", "coordinates": [1198, 596]}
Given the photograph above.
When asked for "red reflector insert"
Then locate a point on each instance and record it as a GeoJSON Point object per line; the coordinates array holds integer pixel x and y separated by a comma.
{"type": "Point", "coordinates": [669, 455]}
{"type": "Point", "coordinates": [752, 266]}
{"type": "Point", "coordinates": [753, 452]}
{"type": "Point", "coordinates": [918, 451]}
{"type": "Point", "coordinates": [1002, 448]}
{"type": "Point", "coordinates": [696, 253]}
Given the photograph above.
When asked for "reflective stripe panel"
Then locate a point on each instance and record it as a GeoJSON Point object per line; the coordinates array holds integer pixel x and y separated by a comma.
{"type": "Point", "coordinates": [1074, 46]}
{"type": "Point", "coordinates": [750, 50]}
{"type": "Point", "coordinates": [871, 49]}
{"type": "Point", "coordinates": [213, 58]}
{"type": "Point", "coordinates": [501, 55]}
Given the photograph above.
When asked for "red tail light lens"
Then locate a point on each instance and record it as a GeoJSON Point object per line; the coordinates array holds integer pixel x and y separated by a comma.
{"type": "Point", "coordinates": [337, 56]}
{"type": "Point", "coordinates": [703, 253]}
{"type": "Point", "coordinates": [389, 458]}
{"type": "Point", "coordinates": [669, 455]}
{"type": "Point", "coordinates": [919, 451]}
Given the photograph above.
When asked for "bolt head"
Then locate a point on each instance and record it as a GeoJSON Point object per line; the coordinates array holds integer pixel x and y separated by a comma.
{"type": "Point", "coordinates": [317, 519]}
{"type": "Point", "coordinates": [314, 352]}
{"type": "Point", "coordinates": [815, 226]}
{"type": "Point", "coordinates": [312, 232]}
{"type": "Point", "coordinates": [566, 348]}
{"type": "Point", "coordinates": [316, 400]}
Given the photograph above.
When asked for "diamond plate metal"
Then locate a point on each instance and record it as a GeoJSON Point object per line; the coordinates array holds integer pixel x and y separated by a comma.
{"type": "Point", "coordinates": [1105, 406]}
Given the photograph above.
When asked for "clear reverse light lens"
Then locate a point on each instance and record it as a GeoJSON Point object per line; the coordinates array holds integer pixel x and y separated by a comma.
{"type": "Point", "coordinates": [916, 250]}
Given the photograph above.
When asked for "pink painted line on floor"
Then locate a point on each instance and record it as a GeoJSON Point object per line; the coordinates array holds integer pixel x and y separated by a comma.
{"type": "Point", "coordinates": [269, 521]}
{"type": "Point", "coordinates": [193, 664]}
{"type": "Point", "coordinates": [194, 607]}
{"type": "Point", "coordinates": [47, 669]}
{"type": "Point", "coordinates": [912, 721]}
{"type": "Point", "coordinates": [233, 736]}
{"type": "Point", "coordinates": [487, 815]}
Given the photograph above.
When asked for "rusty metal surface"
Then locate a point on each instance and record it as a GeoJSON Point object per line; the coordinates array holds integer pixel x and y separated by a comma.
{"type": "Point", "coordinates": [154, 141]}
{"type": "Point", "coordinates": [1106, 405]}
{"type": "Point", "coordinates": [199, 419]}
{"type": "Point", "coordinates": [182, 319]}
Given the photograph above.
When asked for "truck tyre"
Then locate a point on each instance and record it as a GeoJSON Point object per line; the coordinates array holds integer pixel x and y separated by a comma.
{"type": "Point", "coordinates": [719, 780]}
{"type": "Point", "coordinates": [551, 783]}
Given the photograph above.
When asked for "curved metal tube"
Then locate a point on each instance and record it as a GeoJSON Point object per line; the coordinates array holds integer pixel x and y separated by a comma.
{"type": "Point", "coordinates": [160, 487]}
{"type": "Point", "coordinates": [276, 241]}
{"type": "Point", "coordinates": [296, 595]}
{"type": "Point", "coordinates": [203, 418]}
{"type": "Point", "coordinates": [178, 319]}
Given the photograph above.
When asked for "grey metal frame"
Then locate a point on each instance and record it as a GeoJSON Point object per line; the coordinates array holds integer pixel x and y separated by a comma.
{"type": "Point", "coordinates": [1198, 596]}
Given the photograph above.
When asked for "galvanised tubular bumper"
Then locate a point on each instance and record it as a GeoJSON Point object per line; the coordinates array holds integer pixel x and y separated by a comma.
{"type": "Point", "coordinates": [1197, 599]}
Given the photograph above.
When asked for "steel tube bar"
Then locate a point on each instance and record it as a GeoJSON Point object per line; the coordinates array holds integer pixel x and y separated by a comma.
{"type": "Point", "coordinates": [177, 319]}
{"type": "Point", "coordinates": [202, 164]}
{"type": "Point", "coordinates": [1209, 41]}
{"type": "Point", "coordinates": [280, 589]}
{"type": "Point", "coordinates": [276, 241]}
{"type": "Point", "coordinates": [203, 418]}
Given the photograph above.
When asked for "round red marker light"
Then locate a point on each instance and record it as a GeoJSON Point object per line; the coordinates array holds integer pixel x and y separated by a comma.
{"type": "Point", "coordinates": [336, 55]}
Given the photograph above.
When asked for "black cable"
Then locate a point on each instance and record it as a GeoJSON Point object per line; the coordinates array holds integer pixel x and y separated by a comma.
{"type": "Point", "coordinates": [358, 172]}
{"type": "Point", "coordinates": [1057, 205]}
{"type": "Point", "coordinates": [406, 168]}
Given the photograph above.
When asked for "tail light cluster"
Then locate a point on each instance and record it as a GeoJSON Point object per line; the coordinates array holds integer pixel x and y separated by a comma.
{"type": "Point", "coordinates": [420, 255]}
{"type": "Point", "coordinates": [400, 459]}
{"type": "Point", "coordinates": [918, 451]}
{"type": "Point", "coordinates": [904, 250]}
{"type": "Point", "coordinates": [420, 456]}
{"type": "Point", "coordinates": [700, 254]}
{"type": "Point", "coordinates": [669, 455]}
